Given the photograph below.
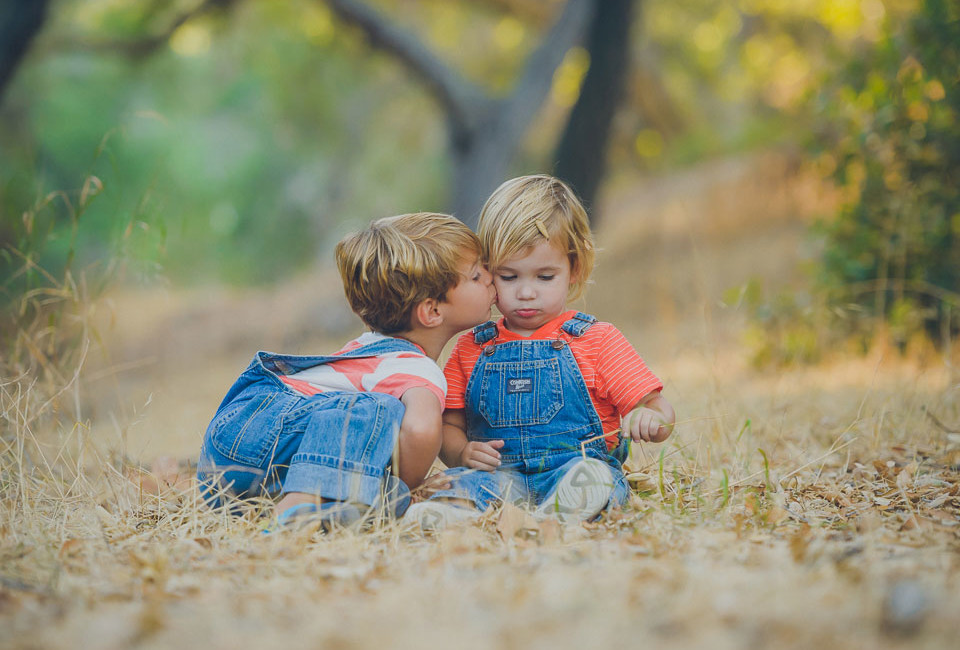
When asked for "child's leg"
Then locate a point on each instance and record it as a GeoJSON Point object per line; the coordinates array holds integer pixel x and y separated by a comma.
{"type": "Point", "coordinates": [238, 459]}
{"type": "Point", "coordinates": [222, 480]}
{"type": "Point", "coordinates": [341, 446]}
{"type": "Point", "coordinates": [471, 491]}
{"type": "Point", "coordinates": [474, 488]}
{"type": "Point", "coordinates": [579, 489]}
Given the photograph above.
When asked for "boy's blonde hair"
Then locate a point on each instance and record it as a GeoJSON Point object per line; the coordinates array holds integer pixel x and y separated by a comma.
{"type": "Point", "coordinates": [398, 262]}
{"type": "Point", "coordinates": [525, 210]}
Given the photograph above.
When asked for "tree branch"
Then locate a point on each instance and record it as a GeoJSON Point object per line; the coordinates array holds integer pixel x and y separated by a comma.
{"type": "Point", "coordinates": [519, 109]}
{"type": "Point", "coordinates": [581, 153]}
{"type": "Point", "coordinates": [463, 101]}
{"type": "Point", "coordinates": [19, 23]}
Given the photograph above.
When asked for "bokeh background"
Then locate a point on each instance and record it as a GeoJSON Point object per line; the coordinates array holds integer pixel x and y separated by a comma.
{"type": "Point", "coordinates": [774, 190]}
{"type": "Point", "coordinates": [233, 141]}
{"type": "Point", "coordinates": [161, 158]}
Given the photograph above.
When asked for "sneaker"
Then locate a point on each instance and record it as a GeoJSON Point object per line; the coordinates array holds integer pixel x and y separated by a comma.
{"type": "Point", "coordinates": [326, 516]}
{"type": "Point", "coordinates": [582, 493]}
{"type": "Point", "coordinates": [432, 516]}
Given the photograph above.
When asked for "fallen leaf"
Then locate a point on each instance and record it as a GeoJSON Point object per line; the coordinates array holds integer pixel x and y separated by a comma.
{"type": "Point", "coordinates": [799, 543]}
{"type": "Point", "coordinates": [71, 548]}
{"type": "Point", "coordinates": [549, 531]}
{"type": "Point", "coordinates": [514, 521]}
{"type": "Point", "coordinates": [775, 515]}
{"type": "Point", "coordinates": [510, 521]}
{"type": "Point", "coordinates": [912, 523]}
{"type": "Point", "coordinates": [904, 480]}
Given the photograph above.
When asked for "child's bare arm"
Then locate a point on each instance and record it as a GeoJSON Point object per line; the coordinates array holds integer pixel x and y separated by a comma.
{"type": "Point", "coordinates": [651, 420]}
{"type": "Point", "coordinates": [458, 451]}
{"type": "Point", "coordinates": [420, 435]}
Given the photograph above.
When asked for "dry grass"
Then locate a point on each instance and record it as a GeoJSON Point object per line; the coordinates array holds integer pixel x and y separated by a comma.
{"type": "Point", "coordinates": [793, 508]}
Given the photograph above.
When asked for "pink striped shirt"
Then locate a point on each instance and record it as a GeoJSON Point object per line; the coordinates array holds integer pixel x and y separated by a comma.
{"type": "Point", "coordinates": [615, 375]}
{"type": "Point", "coordinates": [392, 373]}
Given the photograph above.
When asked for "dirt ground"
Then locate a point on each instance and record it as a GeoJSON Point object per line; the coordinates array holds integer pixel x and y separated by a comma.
{"type": "Point", "coordinates": [794, 507]}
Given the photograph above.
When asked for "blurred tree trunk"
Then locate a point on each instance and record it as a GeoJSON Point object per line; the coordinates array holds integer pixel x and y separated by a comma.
{"type": "Point", "coordinates": [581, 153]}
{"type": "Point", "coordinates": [20, 21]}
{"type": "Point", "coordinates": [484, 132]}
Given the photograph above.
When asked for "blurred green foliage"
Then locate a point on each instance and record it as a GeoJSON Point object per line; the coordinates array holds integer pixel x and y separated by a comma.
{"type": "Point", "coordinates": [235, 151]}
{"type": "Point", "coordinates": [892, 141]}
{"type": "Point", "coordinates": [245, 144]}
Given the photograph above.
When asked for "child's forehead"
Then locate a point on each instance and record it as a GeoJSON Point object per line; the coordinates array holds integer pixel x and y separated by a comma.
{"type": "Point", "coordinates": [470, 261]}
{"type": "Point", "coordinates": [547, 252]}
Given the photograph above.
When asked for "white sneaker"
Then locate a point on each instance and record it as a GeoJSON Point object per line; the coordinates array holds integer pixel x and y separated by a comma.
{"type": "Point", "coordinates": [437, 515]}
{"type": "Point", "coordinates": [582, 493]}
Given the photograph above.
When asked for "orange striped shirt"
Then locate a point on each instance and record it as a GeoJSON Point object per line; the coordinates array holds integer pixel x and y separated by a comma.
{"type": "Point", "coordinates": [615, 375]}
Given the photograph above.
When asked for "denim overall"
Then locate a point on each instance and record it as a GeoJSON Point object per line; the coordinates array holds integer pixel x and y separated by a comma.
{"type": "Point", "coordinates": [266, 436]}
{"type": "Point", "coordinates": [532, 395]}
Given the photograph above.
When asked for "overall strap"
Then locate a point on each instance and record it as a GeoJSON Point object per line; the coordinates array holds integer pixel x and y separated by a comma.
{"type": "Point", "coordinates": [579, 324]}
{"type": "Point", "coordinates": [376, 348]}
{"type": "Point", "coordinates": [288, 364]}
{"type": "Point", "coordinates": [485, 332]}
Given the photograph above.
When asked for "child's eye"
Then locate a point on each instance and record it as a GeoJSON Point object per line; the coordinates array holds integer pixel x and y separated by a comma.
{"type": "Point", "coordinates": [508, 278]}
{"type": "Point", "coordinates": [547, 278]}
{"type": "Point", "coordinates": [476, 278]}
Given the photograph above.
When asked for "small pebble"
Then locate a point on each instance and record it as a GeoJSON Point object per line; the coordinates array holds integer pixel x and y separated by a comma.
{"type": "Point", "coordinates": [905, 607]}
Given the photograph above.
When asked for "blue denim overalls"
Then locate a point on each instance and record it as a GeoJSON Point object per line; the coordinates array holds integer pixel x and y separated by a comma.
{"type": "Point", "coordinates": [266, 436]}
{"type": "Point", "coordinates": [532, 395]}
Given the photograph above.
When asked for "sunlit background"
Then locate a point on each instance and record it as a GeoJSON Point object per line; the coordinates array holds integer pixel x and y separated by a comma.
{"type": "Point", "coordinates": [223, 141]}
{"type": "Point", "coordinates": [775, 193]}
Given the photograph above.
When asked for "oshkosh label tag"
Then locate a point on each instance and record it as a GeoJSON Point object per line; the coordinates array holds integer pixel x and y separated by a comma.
{"type": "Point", "coordinates": [520, 385]}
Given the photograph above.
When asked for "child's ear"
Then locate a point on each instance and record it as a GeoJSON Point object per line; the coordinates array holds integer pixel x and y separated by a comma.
{"type": "Point", "coordinates": [574, 272]}
{"type": "Point", "coordinates": [427, 313]}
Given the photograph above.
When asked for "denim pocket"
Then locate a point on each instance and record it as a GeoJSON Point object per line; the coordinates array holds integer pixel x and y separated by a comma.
{"type": "Point", "coordinates": [520, 393]}
{"type": "Point", "coordinates": [246, 430]}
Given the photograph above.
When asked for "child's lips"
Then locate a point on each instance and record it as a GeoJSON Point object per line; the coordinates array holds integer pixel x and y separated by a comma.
{"type": "Point", "coordinates": [526, 313]}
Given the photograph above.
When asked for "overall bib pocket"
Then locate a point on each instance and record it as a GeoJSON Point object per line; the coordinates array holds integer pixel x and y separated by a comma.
{"type": "Point", "coordinates": [520, 393]}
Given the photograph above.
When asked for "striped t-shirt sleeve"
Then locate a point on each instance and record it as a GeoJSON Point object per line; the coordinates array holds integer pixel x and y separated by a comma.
{"type": "Point", "coordinates": [622, 376]}
{"type": "Point", "coordinates": [457, 372]}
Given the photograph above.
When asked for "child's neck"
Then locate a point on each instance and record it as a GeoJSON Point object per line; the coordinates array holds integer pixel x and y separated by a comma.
{"type": "Point", "coordinates": [431, 341]}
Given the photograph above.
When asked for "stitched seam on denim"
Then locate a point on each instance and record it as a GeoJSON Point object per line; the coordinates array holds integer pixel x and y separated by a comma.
{"type": "Point", "coordinates": [309, 404]}
{"type": "Point", "coordinates": [538, 416]}
{"type": "Point", "coordinates": [585, 400]}
{"type": "Point", "coordinates": [337, 463]}
{"type": "Point", "coordinates": [240, 434]}
{"type": "Point", "coordinates": [585, 411]}
{"type": "Point", "coordinates": [231, 451]}
{"type": "Point", "coordinates": [346, 403]}
{"type": "Point", "coordinates": [371, 350]}
{"type": "Point", "coordinates": [579, 434]}
{"type": "Point", "coordinates": [378, 425]}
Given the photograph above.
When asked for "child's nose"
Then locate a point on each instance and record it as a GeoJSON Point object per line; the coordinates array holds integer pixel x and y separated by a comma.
{"type": "Point", "coordinates": [526, 291]}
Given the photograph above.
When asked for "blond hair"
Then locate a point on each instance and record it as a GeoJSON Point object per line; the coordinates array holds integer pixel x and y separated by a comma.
{"type": "Point", "coordinates": [525, 210]}
{"type": "Point", "coordinates": [398, 262]}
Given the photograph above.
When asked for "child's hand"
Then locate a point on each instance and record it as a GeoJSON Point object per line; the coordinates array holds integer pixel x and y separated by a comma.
{"type": "Point", "coordinates": [482, 455]}
{"type": "Point", "coordinates": [646, 425]}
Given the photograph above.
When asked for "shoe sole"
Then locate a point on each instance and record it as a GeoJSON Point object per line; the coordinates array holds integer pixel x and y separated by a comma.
{"type": "Point", "coordinates": [581, 494]}
{"type": "Point", "coordinates": [325, 519]}
{"type": "Point", "coordinates": [434, 516]}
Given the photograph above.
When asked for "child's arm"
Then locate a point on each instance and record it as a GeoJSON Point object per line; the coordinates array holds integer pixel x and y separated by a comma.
{"type": "Point", "coordinates": [651, 420]}
{"type": "Point", "coordinates": [457, 451]}
{"type": "Point", "coordinates": [420, 434]}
